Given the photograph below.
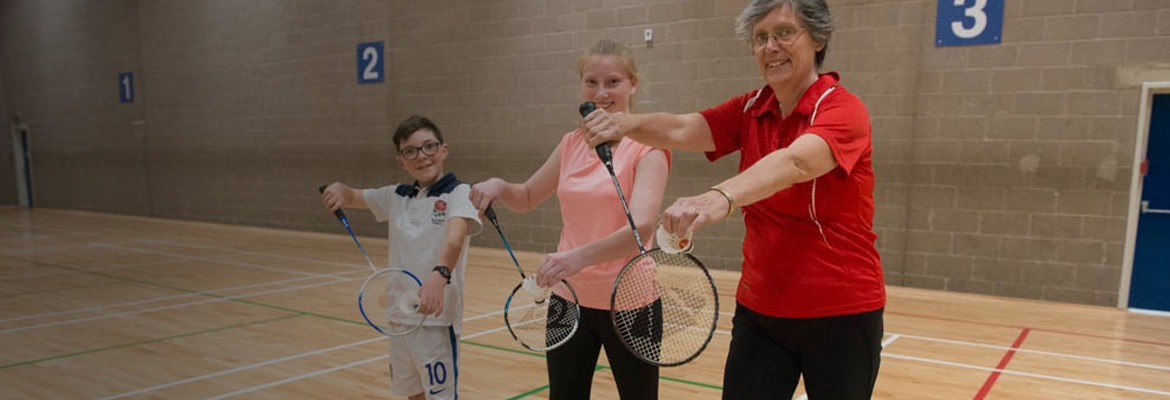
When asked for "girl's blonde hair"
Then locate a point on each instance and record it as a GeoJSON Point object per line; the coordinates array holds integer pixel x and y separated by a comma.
{"type": "Point", "coordinates": [609, 47]}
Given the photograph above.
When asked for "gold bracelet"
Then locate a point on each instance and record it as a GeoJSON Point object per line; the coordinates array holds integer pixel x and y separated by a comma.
{"type": "Point", "coordinates": [730, 200]}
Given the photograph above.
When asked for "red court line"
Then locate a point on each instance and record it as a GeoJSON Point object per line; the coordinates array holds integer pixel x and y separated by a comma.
{"type": "Point", "coordinates": [1007, 357]}
{"type": "Point", "coordinates": [1149, 342]}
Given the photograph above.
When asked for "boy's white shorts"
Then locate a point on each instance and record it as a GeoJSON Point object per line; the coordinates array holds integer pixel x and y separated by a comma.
{"type": "Point", "coordinates": [425, 361]}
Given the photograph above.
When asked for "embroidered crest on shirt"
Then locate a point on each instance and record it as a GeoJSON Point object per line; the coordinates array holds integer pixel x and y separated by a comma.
{"type": "Point", "coordinates": [439, 214]}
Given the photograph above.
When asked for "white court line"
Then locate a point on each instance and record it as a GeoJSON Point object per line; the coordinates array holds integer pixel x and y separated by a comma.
{"type": "Point", "coordinates": [326, 371]}
{"type": "Point", "coordinates": [888, 341]}
{"type": "Point", "coordinates": [481, 316]}
{"type": "Point", "coordinates": [62, 247]}
{"type": "Point", "coordinates": [72, 232]}
{"type": "Point", "coordinates": [1041, 352]}
{"type": "Point", "coordinates": [1022, 350]}
{"type": "Point", "coordinates": [243, 368]}
{"type": "Point", "coordinates": [891, 339]}
{"type": "Point", "coordinates": [49, 235]}
{"type": "Point", "coordinates": [333, 275]}
{"type": "Point", "coordinates": [896, 336]}
{"type": "Point", "coordinates": [298, 377]}
{"type": "Point", "coordinates": [1156, 313]}
{"type": "Point", "coordinates": [336, 278]}
{"type": "Point", "coordinates": [79, 271]}
{"type": "Point", "coordinates": [366, 361]}
{"type": "Point", "coordinates": [193, 303]}
{"type": "Point", "coordinates": [180, 257]}
{"type": "Point", "coordinates": [43, 236]}
{"type": "Point", "coordinates": [228, 262]}
{"type": "Point", "coordinates": [1027, 374]}
{"type": "Point", "coordinates": [237, 251]}
{"type": "Point", "coordinates": [290, 358]}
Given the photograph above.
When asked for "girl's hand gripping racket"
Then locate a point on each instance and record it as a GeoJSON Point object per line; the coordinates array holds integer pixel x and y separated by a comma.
{"type": "Point", "coordinates": [388, 299]}
{"type": "Point", "coordinates": [664, 306]}
{"type": "Point", "coordinates": [540, 319]}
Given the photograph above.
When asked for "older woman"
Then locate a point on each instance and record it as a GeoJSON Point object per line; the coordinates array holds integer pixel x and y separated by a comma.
{"type": "Point", "coordinates": [811, 296]}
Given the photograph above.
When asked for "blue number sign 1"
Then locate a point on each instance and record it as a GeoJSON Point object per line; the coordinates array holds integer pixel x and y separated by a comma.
{"type": "Point", "coordinates": [126, 87]}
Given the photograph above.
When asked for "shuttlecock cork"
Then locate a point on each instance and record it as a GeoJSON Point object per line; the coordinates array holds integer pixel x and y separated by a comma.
{"type": "Point", "coordinates": [539, 294]}
{"type": "Point", "coordinates": [673, 244]}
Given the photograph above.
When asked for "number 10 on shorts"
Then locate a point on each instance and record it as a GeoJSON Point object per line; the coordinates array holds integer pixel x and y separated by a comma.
{"type": "Point", "coordinates": [969, 22]}
{"type": "Point", "coordinates": [436, 373]}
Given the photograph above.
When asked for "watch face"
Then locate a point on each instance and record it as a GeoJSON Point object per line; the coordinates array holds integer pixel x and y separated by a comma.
{"type": "Point", "coordinates": [444, 271]}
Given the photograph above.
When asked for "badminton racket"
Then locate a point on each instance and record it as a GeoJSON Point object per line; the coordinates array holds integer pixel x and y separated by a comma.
{"type": "Point", "coordinates": [388, 300]}
{"type": "Point", "coordinates": [664, 306]}
{"type": "Point", "coordinates": [540, 319]}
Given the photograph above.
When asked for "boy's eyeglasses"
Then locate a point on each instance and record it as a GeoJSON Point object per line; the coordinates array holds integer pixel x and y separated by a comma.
{"type": "Point", "coordinates": [429, 148]}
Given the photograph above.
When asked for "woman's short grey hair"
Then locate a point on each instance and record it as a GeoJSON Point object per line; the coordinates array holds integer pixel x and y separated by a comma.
{"type": "Point", "coordinates": [814, 14]}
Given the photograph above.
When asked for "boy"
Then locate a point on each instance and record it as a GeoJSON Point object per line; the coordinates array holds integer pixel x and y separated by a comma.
{"type": "Point", "coordinates": [430, 224]}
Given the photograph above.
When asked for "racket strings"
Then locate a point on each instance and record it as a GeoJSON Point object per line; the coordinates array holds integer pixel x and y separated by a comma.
{"type": "Point", "coordinates": [389, 301]}
{"type": "Point", "coordinates": [541, 324]}
{"type": "Point", "coordinates": [665, 307]}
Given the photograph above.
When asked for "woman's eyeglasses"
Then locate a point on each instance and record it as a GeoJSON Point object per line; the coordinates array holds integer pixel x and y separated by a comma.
{"type": "Point", "coordinates": [784, 36]}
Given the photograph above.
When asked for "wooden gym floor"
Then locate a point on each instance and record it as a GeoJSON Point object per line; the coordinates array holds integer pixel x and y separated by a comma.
{"type": "Point", "coordinates": [96, 306]}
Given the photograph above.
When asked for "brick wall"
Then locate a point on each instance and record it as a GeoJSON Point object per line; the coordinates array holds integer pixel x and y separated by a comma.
{"type": "Point", "coordinates": [1001, 169]}
{"type": "Point", "coordinates": [252, 105]}
{"type": "Point", "coordinates": [1021, 152]}
{"type": "Point", "coordinates": [61, 65]}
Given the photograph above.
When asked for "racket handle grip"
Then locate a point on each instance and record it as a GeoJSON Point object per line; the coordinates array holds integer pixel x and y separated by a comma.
{"type": "Point", "coordinates": [339, 214]}
{"type": "Point", "coordinates": [603, 151]}
{"type": "Point", "coordinates": [586, 108]}
{"type": "Point", "coordinates": [605, 155]}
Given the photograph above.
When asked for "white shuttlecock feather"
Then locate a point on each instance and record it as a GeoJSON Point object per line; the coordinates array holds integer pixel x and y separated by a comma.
{"type": "Point", "coordinates": [539, 294]}
{"type": "Point", "coordinates": [672, 244]}
{"type": "Point", "coordinates": [409, 305]}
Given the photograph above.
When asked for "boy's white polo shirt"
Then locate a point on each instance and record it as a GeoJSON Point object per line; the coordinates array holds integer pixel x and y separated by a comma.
{"type": "Point", "coordinates": [417, 220]}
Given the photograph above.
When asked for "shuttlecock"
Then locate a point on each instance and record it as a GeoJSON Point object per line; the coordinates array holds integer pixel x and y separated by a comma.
{"type": "Point", "coordinates": [673, 244]}
{"type": "Point", "coordinates": [539, 294]}
{"type": "Point", "coordinates": [409, 304]}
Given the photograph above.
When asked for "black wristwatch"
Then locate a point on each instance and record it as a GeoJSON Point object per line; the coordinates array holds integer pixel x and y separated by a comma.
{"type": "Point", "coordinates": [444, 271]}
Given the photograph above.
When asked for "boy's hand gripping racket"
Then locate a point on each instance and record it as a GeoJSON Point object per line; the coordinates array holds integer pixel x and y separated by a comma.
{"type": "Point", "coordinates": [540, 319]}
{"type": "Point", "coordinates": [388, 299]}
{"type": "Point", "coordinates": [664, 306]}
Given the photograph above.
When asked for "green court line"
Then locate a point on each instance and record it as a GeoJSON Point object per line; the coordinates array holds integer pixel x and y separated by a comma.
{"type": "Point", "coordinates": [105, 275]}
{"type": "Point", "coordinates": [35, 292]}
{"type": "Point", "coordinates": [198, 292]}
{"type": "Point", "coordinates": [493, 347]}
{"type": "Point", "coordinates": [529, 393]}
{"type": "Point", "coordinates": [597, 368]}
{"type": "Point", "coordinates": [667, 378]}
{"type": "Point", "coordinates": [124, 345]}
{"type": "Point", "coordinates": [296, 313]}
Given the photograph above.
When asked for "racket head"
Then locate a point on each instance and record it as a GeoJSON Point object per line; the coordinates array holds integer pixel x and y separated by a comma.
{"type": "Point", "coordinates": [665, 307]}
{"type": "Point", "coordinates": [542, 324]}
{"type": "Point", "coordinates": [388, 300]}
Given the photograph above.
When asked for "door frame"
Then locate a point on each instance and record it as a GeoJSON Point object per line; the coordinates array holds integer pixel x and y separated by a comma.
{"type": "Point", "coordinates": [22, 158]}
{"type": "Point", "coordinates": [1149, 89]}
